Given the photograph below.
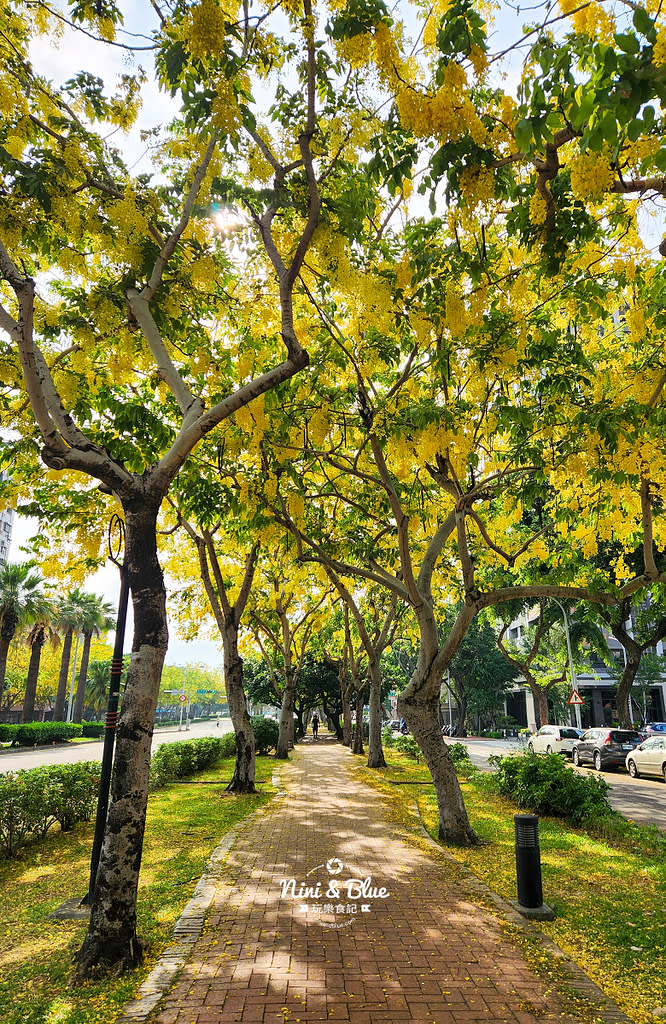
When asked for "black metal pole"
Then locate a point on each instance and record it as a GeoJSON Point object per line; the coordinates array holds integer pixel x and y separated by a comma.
{"type": "Point", "coordinates": [110, 723]}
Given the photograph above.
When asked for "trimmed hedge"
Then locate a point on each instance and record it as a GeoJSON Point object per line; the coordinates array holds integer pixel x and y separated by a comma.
{"type": "Point", "coordinates": [34, 799]}
{"type": "Point", "coordinates": [266, 732]}
{"type": "Point", "coordinates": [34, 733]}
{"type": "Point", "coordinates": [544, 784]}
{"type": "Point", "coordinates": [95, 730]}
{"type": "Point", "coordinates": [173, 761]}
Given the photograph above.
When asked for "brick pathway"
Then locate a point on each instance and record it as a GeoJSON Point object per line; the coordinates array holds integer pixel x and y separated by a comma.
{"type": "Point", "coordinates": [425, 953]}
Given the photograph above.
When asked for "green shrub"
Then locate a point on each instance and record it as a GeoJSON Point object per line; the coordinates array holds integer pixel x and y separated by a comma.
{"type": "Point", "coordinates": [266, 732]}
{"type": "Point", "coordinates": [73, 791]}
{"type": "Point", "coordinates": [33, 800]}
{"type": "Point", "coordinates": [546, 785]}
{"type": "Point", "coordinates": [388, 737]}
{"type": "Point", "coordinates": [461, 759]}
{"type": "Point", "coordinates": [92, 729]}
{"type": "Point", "coordinates": [15, 822]}
{"type": "Point", "coordinates": [34, 733]}
{"type": "Point", "coordinates": [7, 733]}
{"type": "Point", "coordinates": [408, 745]}
{"type": "Point", "coordinates": [176, 760]}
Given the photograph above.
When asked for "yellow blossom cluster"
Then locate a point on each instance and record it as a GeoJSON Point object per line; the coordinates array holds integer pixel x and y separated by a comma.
{"type": "Point", "coordinates": [207, 30]}
{"type": "Point", "coordinates": [594, 21]}
{"type": "Point", "coordinates": [659, 50]}
{"type": "Point", "coordinates": [591, 174]}
{"type": "Point", "coordinates": [538, 210]}
{"type": "Point", "coordinates": [225, 112]}
{"type": "Point", "coordinates": [477, 185]}
{"type": "Point", "coordinates": [356, 50]}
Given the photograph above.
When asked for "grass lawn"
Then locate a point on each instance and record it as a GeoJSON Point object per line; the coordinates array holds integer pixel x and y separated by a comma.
{"type": "Point", "coordinates": [184, 825]}
{"type": "Point", "coordinates": [610, 900]}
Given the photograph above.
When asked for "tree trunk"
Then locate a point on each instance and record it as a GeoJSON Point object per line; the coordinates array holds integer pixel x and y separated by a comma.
{"type": "Point", "coordinates": [286, 721]}
{"type": "Point", "coordinates": [7, 634]}
{"type": "Point", "coordinates": [244, 770]}
{"type": "Point", "coordinates": [421, 717]}
{"type": "Point", "coordinates": [79, 699]}
{"type": "Point", "coordinates": [299, 726]}
{"type": "Point", "coordinates": [541, 700]}
{"type": "Point", "coordinates": [112, 942]}
{"type": "Point", "coordinates": [4, 649]}
{"type": "Point", "coordinates": [28, 714]}
{"type": "Point", "coordinates": [375, 752]}
{"type": "Point", "coordinates": [346, 689]}
{"type": "Point", "coordinates": [61, 693]}
{"type": "Point", "coordinates": [333, 720]}
{"type": "Point", "coordinates": [625, 684]}
{"type": "Point", "coordinates": [357, 746]}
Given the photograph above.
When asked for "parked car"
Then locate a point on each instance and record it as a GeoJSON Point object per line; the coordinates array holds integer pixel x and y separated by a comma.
{"type": "Point", "coordinates": [605, 747]}
{"type": "Point", "coordinates": [654, 727]}
{"type": "Point", "coordinates": [553, 739]}
{"type": "Point", "coordinates": [649, 758]}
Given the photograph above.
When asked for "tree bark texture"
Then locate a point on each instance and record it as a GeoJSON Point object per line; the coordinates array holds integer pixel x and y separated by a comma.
{"type": "Point", "coordinates": [625, 684]}
{"type": "Point", "coordinates": [376, 757]}
{"type": "Point", "coordinates": [357, 744]}
{"type": "Point", "coordinates": [112, 942]}
{"type": "Point", "coordinates": [61, 692]}
{"type": "Point", "coordinates": [4, 649]}
{"type": "Point", "coordinates": [422, 718]}
{"type": "Point", "coordinates": [347, 690]}
{"type": "Point", "coordinates": [286, 728]}
{"type": "Point", "coordinates": [244, 769]}
{"type": "Point", "coordinates": [28, 714]}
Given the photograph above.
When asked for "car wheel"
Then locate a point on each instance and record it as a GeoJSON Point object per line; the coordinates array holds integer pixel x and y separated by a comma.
{"type": "Point", "coordinates": [549, 749]}
{"type": "Point", "coordinates": [575, 757]}
{"type": "Point", "coordinates": [663, 771]}
{"type": "Point", "coordinates": [530, 747]}
{"type": "Point", "coordinates": [632, 769]}
{"type": "Point", "coordinates": [597, 760]}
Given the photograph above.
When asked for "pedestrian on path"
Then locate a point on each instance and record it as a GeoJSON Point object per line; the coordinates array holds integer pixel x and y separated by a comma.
{"type": "Point", "coordinates": [315, 725]}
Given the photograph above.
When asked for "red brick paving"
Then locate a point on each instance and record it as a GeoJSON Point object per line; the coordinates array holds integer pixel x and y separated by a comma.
{"type": "Point", "coordinates": [427, 954]}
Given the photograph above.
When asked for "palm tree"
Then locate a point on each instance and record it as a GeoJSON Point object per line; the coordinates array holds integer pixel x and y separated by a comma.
{"type": "Point", "coordinates": [42, 629]}
{"type": "Point", "coordinates": [98, 616]}
{"type": "Point", "coordinates": [70, 615]}
{"type": "Point", "coordinates": [97, 686]}
{"type": "Point", "coordinates": [20, 593]}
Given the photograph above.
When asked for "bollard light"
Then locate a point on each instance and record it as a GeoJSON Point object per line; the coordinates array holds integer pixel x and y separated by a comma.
{"type": "Point", "coordinates": [528, 869]}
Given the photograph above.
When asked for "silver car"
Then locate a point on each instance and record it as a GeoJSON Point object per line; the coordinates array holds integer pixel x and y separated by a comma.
{"type": "Point", "coordinates": [554, 739]}
{"type": "Point", "coordinates": [648, 759]}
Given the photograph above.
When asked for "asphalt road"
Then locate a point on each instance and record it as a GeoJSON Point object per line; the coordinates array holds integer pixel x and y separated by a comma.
{"type": "Point", "coordinates": [641, 800]}
{"type": "Point", "coordinates": [67, 753]}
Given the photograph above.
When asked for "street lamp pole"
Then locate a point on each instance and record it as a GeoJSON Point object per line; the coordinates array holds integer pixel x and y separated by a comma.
{"type": "Point", "coordinates": [571, 666]}
{"type": "Point", "coordinates": [111, 718]}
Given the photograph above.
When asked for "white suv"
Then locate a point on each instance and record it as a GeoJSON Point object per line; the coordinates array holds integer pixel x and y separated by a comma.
{"type": "Point", "coordinates": [554, 739]}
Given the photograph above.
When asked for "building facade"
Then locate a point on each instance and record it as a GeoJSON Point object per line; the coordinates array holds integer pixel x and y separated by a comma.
{"type": "Point", "coordinates": [6, 525]}
{"type": "Point", "coordinates": [598, 688]}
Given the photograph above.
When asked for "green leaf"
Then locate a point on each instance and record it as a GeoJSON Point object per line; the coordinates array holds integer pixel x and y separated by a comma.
{"type": "Point", "coordinates": [627, 42]}
{"type": "Point", "coordinates": [643, 22]}
{"type": "Point", "coordinates": [523, 133]}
